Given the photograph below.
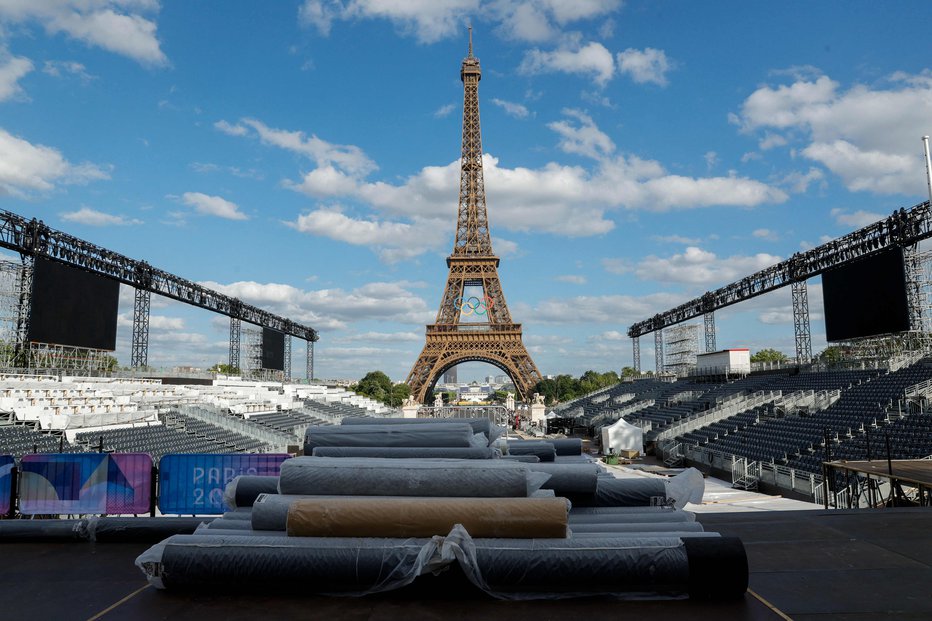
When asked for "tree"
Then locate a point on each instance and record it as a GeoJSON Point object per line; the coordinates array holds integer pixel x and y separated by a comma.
{"type": "Point", "coordinates": [769, 355]}
{"type": "Point", "coordinates": [375, 385]}
{"type": "Point", "coordinates": [629, 372]}
{"type": "Point", "coordinates": [224, 369]}
{"type": "Point", "coordinates": [831, 354]}
{"type": "Point", "coordinates": [400, 392]}
{"type": "Point", "coordinates": [499, 396]}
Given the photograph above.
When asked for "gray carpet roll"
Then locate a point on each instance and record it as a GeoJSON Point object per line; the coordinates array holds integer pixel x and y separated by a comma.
{"type": "Point", "coordinates": [304, 564]}
{"type": "Point", "coordinates": [333, 476]}
{"type": "Point", "coordinates": [543, 450]}
{"type": "Point", "coordinates": [569, 478]}
{"type": "Point", "coordinates": [452, 434]}
{"type": "Point", "coordinates": [243, 490]}
{"type": "Point", "coordinates": [567, 446]}
{"type": "Point", "coordinates": [408, 452]}
{"type": "Point", "coordinates": [479, 425]}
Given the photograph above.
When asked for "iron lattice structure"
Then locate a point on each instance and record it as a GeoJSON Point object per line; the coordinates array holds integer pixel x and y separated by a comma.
{"type": "Point", "coordinates": [801, 322]}
{"type": "Point", "coordinates": [903, 228]}
{"type": "Point", "coordinates": [497, 339]}
{"type": "Point", "coordinates": [681, 347]}
{"type": "Point", "coordinates": [139, 355]}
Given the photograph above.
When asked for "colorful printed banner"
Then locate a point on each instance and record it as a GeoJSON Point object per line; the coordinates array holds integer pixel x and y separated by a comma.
{"type": "Point", "coordinates": [6, 483]}
{"type": "Point", "coordinates": [85, 483]}
{"type": "Point", "coordinates": [193, 484]}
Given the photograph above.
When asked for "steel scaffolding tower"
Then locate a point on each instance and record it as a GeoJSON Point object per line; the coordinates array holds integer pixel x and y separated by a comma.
{"type": "Point", "coordinates": [681, 347]}
{"type": "Point", "coordinates": [636, 353]}
{"type": "Point", "coordinates": [235, 326]}
{"type": "Point", "coordinates": [658, 351]}
{"type": "Point", "coordinates": [801, 322]}
{"type": "Point", "coordinates": [309, 370]}
{"type": "Point", "coordinates": [287, 369]}
{"type": "Point", "coordinates": [708, 319]}
{"type": "Point", "coordinates": [139, 355]}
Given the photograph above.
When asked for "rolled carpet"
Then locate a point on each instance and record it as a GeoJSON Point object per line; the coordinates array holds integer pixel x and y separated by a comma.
{"type": "Point", "coordinates": [452, 434]}
{"type": "Point", "coordinates": [523, 518]}
{"type": "Point", "coordinates": [243, 490]}
{"type": "Point", "coordinates": [543, 450]}
{"type": "Point", "coordinates": [408, 452]}
{"type": "Point", "coordinates": [333, 476]}
{"type": "Point", "coordinates": [479, 425]}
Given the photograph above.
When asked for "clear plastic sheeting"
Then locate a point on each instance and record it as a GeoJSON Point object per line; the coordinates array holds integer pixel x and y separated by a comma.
{"type": "Point", "coordinates": [445, 434]}
{"type": "Point", "coordinates": [243, 490]}
{"type": "Point", "coordinates": [686, 487]}
{"type": "Point", "coordinates": [627, 566]}
{"type": "Point", "coordinates": [636, 567]}
{"type": "Point", "coordinates": [333, 476]}
{"type": "Point", "coordinates": [523, 518]}
{"type": "Point", "coordinates": [479, 425]}
{"type": "Point", "coordinates": [408, 452]}
{"type": "Point", "coordinates": [330, 565]}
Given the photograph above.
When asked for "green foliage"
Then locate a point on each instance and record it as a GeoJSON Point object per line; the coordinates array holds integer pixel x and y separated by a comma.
{"type": "Point", "coordinates": [566, 387]}
{"type": "Point", "coordinates": [224, 369]}
{"type": "Point", "coordinates": [832, 354]}
{"type": "Point", "coordinates": [499, 396]}
{"type": "Point", "coordinates": [376, 385]}
{"type": "Point", "coordinates": [769, 355]}
{"type": "Point", "coordinates": [629, 372]}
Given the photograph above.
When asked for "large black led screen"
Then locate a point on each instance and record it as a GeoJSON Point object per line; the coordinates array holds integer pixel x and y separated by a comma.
{"type": "Point", "coordinates": [866, 297]}
{"type": "Point", "coordinates": [73, 307]}
{"type": "Point", "coordinates": [273, 349]}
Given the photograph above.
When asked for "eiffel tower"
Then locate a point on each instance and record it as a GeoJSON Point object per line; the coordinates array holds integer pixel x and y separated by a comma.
{"type": "Point", "coordinates": [496, 339]}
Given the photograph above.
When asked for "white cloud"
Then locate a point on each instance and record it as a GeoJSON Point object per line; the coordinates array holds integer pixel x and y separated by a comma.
{"type": "Point", "coordinates": [676, 239]}
{"type": "Point", "coordinates": [585, 139]}
{"type": "Point", "coordinates": [444, 111]}
{"type": "Point", "coordinates": [856, 220]}
{"type": "Point", "coordinates": [867, 135]}
{"type": "Point", "coordinates": [349, 158]}
{"type": "Point", "coordinates": [385, 337]}
{"type": "Point", "coordinates": [573, 279]}
{"type": "Point", "coordinates": [230, 129]}
{"type": "Point", "coordinates": [592, 59]}
{"type": "Point", "coordinates": [799, 182]}
{"type": "Point", "coordinates": [504, 247]}
{"type": "Point", "coordinates": [393, 241]}
{"type": "Point", "coordinates": [114, 25]}
{"type": "Point", "coordinates": [208, 205]}
{"type": "Point", "coordinates": [26, 168]}
{"type": "Point", "coordinates": [334, 308]}
{"type": "Point", "coordinates": [711, 159]}
{"type": "Point", "coordinates": [614, 265]}
{"type": "Point", "coordinates": [12, 68]}
{"type": "Point", "coordinates": [647, 66]}
{"type": "Point", "coordinates": [56, 68]}
{"type": "Point", "coordinates": [767, 234]}
{"type": "Point", "coordinates": [611, 335]}
{"type": "Point", "coordinates": [427, 20]}
{"type": "Point", "coordinates": [512, 109]}
{"type": "Point", "coordinates": [611, 309]}
{"type": "Point", "coordinates": [92, 217]}
{"type": "Point", "coordinates": [700, 267]}
{"type": "Point", "coordinates": [771, 140]}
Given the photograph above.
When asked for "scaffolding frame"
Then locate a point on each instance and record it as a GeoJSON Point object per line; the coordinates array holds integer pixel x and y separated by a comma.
{"type": "Point", "coordinates": [681, 348]}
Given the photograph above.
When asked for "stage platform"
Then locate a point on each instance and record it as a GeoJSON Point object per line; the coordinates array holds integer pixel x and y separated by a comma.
{"type": "Point", "coordinates": [806, 565]}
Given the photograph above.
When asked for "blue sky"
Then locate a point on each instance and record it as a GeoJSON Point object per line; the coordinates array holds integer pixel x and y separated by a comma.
{"type": "Point", "coordinates": [304, 156]}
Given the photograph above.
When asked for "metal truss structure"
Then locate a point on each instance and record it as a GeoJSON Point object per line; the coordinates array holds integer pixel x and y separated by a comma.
{"type": "Point", "coordinates": [708, 320]}
{"type": "Point", "coordinates": [139, 354]}
{"type": "Point", "coordinates": [309, 369]}
{"type": "Point", "coordinates": [56, 357]}
{"type": "Point", "coordinates": [287, 369]}
{"type": "Point", "coordinates": [681, 345]}
{"type": "Point", "coordinates": [801, 322]}
{"type": "Point", "coordinates": [33, 238]}
{"type": "Point", "coordinates": [636, 348]}
{"type": "Point", "coordinates": [658, 351]}
{"type": "Point", "coordinates": [11, 278]}
{"type": "Point", "coordinates": [493, 338]}
{"type": "Point", "coordinates": [903, 228]}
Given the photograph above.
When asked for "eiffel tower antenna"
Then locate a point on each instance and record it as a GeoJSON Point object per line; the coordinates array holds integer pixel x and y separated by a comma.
{"type": "Point", "coordinates": [489, 334]}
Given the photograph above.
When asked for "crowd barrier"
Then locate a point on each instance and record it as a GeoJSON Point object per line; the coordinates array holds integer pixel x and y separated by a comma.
{"type": "Point", "coordinates": [125, 483]}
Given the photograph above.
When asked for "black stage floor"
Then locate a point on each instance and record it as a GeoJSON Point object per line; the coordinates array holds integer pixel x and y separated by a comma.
{"type": "Point", "coordinates": [806, 565]}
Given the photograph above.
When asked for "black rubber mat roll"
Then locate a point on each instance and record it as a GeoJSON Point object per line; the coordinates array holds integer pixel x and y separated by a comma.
{"type": "Point", "coordinates": [243, 490]}
{"type": "Point", "coordinates": [479, 425]}
{"type": "Point", "coordinates": [567, 446]}
{"type": "Point", "coordinates": [543, 450]}
{"type": "Point", "coordinates": [451, 434]}
{"type": "Point", "coordinates": [408, 452]}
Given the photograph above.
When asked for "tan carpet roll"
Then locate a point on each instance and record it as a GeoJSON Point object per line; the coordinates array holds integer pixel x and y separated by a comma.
{"type": "Point", "coordinates": [516, 518]}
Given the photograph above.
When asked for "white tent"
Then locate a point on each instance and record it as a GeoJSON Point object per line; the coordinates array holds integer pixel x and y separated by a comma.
{"type": "Point", "coordinates": [622, 436]}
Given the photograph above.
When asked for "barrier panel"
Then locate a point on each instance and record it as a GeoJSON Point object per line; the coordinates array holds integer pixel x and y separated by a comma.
{"type": "Point", "coordinates": [85, 483]}
{"type": "Point", "coordinates": [6, 483]}
{"type": "Point", "coordinates": [193, 484]}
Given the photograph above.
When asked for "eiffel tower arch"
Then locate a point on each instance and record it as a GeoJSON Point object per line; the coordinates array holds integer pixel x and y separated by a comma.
{"type": "Point", "coordinates": [494, 338]}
